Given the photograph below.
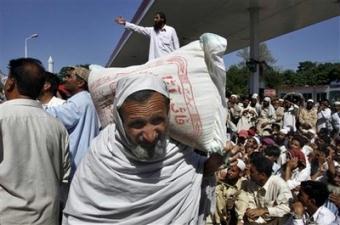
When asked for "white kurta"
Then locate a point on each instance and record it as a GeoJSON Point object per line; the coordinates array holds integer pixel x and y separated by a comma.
{"type": "Point", "coordinates": [54, 101]}
{"type": "Point", "coordinates": [162, 42]}
{"type": "Point", "coordinates": [34, 160]}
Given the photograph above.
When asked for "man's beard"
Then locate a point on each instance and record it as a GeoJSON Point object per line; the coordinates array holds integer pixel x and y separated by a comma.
{"type": "Point", "coordinates": [157, 26]}
{"type": "Point", "coordinates": [157, 151]}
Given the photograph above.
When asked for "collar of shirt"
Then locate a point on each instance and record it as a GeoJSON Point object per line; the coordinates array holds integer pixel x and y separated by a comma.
{"type": "Point", "coordinates": [265, 186]}
{"type": "Point", "coordinates": [323, 214]}
{"type": "Point", "coordinates": [163, 29]}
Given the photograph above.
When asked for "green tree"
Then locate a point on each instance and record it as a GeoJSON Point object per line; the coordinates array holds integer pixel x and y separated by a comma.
{"type": "Point", "coordinates": [264, 55]}
{"type": "Point", "coordinates": [312, 73]}
{"type": "Point", "coordinates": [237, 79]}
{"type": "Point", "coordinates": [334, 72]}
{"type": "Point", "coordinates": [272, 78]}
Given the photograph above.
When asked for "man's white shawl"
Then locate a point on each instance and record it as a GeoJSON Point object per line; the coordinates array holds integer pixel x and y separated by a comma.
{"type": "Point", "coordinates": [111, 186]}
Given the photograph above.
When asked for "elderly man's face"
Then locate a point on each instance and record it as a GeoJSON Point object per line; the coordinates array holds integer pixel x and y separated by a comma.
{"type": "Point", "coordinates": [146, 124]}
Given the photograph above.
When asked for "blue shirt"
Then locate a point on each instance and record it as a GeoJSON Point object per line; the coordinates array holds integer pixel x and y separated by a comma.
{"type": "Point", "coordinates": [79, 116]}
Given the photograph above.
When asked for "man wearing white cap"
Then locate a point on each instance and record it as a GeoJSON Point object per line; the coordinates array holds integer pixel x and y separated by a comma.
{"type": "Point", "coordinates": [324, 116]}
{"type": "Point", "coordinates": [282, 142]}
{"type": "Point", "coordinates": [308, 116]}
{"type": "Point", "coordinates": [235, 109]}
{"type": "Point", "coordinates": [267, 115]}
{"type": "Point", "coordinates": [336, 117]}
{"type": "Point", "coordinates": [231, 199]}
{"type": "Point", "coordinates": [78, 114]}
{"type": "Point", "coordinates": [289, 116]}
{"type": "Point", "coordinates": [279, 111]}
{"type": "Point", "coordinates": [254, 102]}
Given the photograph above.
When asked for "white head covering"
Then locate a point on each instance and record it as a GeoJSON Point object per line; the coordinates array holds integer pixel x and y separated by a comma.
{"type": "Point", "coordinates": [257, 139]}
{"type": "Point", "coordinates": [337, 103]}
{"type": "Point", "coordinates": [240, 164]}
{"type": "Point", "coordinates": [124, 88]}
{"type": "Point", "coordinates": [310, 100]}
{"type": "Point", "coordinates": [306, 149]}
{"type": "Point", "coordinates": [267, 99]}
{"type": "Point", "coordinates": [127, 86]}
{"type": "Point", "coordinates": [284, 131]}
{"type": "Point", "coordinates": [255, 95]}
{"type": "Point", "coordinates": [312, 131]}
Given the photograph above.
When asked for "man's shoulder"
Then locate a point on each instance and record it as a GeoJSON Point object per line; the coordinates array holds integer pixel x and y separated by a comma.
{"type": "Point", "coordinates": [80, 99]}
{"type": "Point", "coordinates": [82, 95]}
{"type": "Point", "coordinates": [54, 101]}
{"type": "Point", "coordinates": [277, 181]}
{"type": "Point", "coordinates": [17, 107]}
{"type": "Point", "coordinates": [32, 111]}
{"type": "Point", "coordinates": [170, 28]}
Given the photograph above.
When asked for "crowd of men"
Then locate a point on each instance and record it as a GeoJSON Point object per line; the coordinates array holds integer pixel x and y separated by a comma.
{"type": "Point", "coordinates": [283, 162]}
{"type": "Point", "coordinates": [43, 138]}
{"type": "Point", "coordinates": [280, 165]}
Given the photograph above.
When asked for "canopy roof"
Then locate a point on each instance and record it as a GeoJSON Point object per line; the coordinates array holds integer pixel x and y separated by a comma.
{"type": "Point", "coordinates": [228, 18]}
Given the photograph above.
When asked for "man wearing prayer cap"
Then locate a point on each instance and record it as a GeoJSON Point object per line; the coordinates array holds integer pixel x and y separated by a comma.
{"type": "Point", "coordinates": [78, 114]}
{"type": "Point", "coordinates": [279, 111]}
{"type": "Point", "coordinates": [254, 96]}
{"type": "Point", "coordinates": [308, 116]}
{"type": "Point", "coordinates": [267, 116]}
{"type": "Point", "coordinates": [231, 199]}
{"type": "Point", "coordinates": [234, 108]}
{"type": "Point", "coordinates": [281, 140]}
{"type": "Point", "coordinates": [254, 102]}
{"type": "Point", "coordinates": [134, 173]}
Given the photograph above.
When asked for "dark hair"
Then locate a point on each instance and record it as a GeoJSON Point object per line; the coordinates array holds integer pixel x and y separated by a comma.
{"type": "Point", "coordinates": [324, 148]}
{"type": "Point", "coordinates": [325, 138]}
{"type": "Point", "coordinates": [262, 163]}
{"type": "Point", "coordinates": [272, 150]}
{"type": "Point", "coordinates": [29, 75]}
{"type": "Point", "coordinates": [161, 15]}
{"type": "Point", "coordinates": [315, 190]}
{"type": "Point", "coordinates": [54, 81]}
{"type": "Point", "coordinates": [300, 139]}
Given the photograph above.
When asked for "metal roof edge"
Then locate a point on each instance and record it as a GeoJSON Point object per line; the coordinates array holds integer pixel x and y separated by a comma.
{"type": "Point", "coordinates": [142, 10]}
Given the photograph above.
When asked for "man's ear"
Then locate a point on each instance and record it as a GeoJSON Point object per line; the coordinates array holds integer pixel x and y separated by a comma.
{"type": "Point", "coordinates": [46, 86]}
{"type": "Point", "coordinates": [81, 83]}
{"type": "Point", "coordinates": [312, 200]}
{"type": "Point", "coordinates": [9, 85]}
{"type": "Point", "coordinates": [263, 175]}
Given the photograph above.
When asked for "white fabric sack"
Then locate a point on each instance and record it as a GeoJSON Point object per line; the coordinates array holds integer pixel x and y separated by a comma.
{"type": "Point", "coordinates": [195, 77]}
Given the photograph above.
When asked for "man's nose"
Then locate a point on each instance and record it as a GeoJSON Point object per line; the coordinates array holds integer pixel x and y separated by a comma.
{"type": "Point", "coordinates": [150, 134]}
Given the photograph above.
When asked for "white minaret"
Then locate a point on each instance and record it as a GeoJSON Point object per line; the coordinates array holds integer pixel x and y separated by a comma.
{"type": "Point", "coordinates": [50, 64]}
